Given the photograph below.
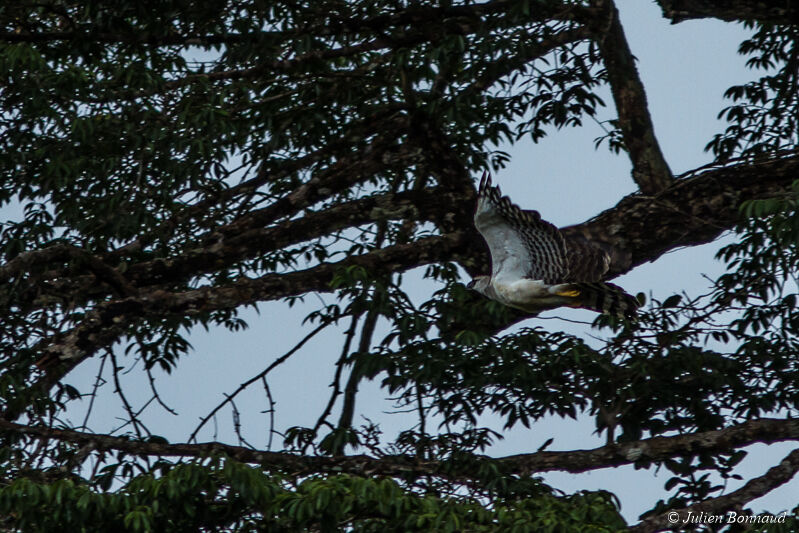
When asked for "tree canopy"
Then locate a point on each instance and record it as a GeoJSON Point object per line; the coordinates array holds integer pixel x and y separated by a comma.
{"type": "Point", "coordinates": [173, 163]}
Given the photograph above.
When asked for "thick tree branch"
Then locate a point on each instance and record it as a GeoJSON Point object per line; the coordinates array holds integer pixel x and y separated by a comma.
{"type": "Point", "coordinates": [356, 375]}
{"type": "Point", "coordinates": [347, 170]}
{"type": "Point", "coordinates": [650, 450]}
{"type": "Point", "coordinates": [766, 11]}
{"type": "Point", "coordinates": [650, 170]}
{"type": "Point", "coordinates": [656, 448]}
{"type": "Point", "coordinates": [414, 15]}
{"type": "Point", "coordinates": [734, 501]}
{"type": "Point", "coordinates": [235, 242]}
{"type": "Point", "coordinates": [695, 210]}
{"type": "Point", "coordinates": [35, 260]}
{"type": "Point", "coordinates": [247, 236]}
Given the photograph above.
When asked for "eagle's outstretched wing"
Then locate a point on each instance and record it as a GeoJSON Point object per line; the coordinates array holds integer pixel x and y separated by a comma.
{"type": "Point", "coordinates": [522, 244]}
{"type": "Point", "coordinates": [533, 267]}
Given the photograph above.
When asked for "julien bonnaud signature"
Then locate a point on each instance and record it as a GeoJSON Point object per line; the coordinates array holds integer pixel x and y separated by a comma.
{"type": "Point", "coordinates": [730, 517]}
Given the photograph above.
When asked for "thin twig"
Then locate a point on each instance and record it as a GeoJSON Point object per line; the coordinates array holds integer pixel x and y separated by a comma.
{"type": "Point", "coordinates": [94, 392]}
{"type": "Point", "coordinates": [156, 395]}
{"type": "Point", "coordinates": [237, 425]}
{"type": "Point", "coordinates": [271, 412]}
{"type": "Point", "coordinates": [133, 418]}
{"type": "Point", "coordinates": [280, 360]}
{"type": "Point", "coordinates": [421, 410]}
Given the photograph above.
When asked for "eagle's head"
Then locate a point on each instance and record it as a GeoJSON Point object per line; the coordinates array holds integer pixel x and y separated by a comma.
{"type": "Point", "coordinates": [481, 284]}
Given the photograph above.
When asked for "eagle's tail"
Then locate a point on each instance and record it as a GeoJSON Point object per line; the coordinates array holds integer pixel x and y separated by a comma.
{"type": "Point", "coordinates": [606, 298]}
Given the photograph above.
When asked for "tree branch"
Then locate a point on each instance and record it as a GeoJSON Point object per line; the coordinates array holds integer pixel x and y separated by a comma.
{"type": "Point", "coordinates": [734, 501]}
{"type": "Point", "coordinates": [766, 430]}
{"type": "Point", "coordinates": [351, 387]}
{"type": "Point", "coordinates": [335, 385]}
{"type": "Point", "coordinates": [244, 238]}
{"type": "Point", "coordinates": [61, 252]}
{"type": "Point", "coordinates": [766, 11]}
{"type": "Point", "coordinates": [347, 170]}
{"type": "Point", "coordinates": [695, 210]}
{"type": "Point", "coordinates": [414, 15]}
{"type": "Point", "coordinates": [650, 170]}
{"type": "Point", "coordinates": [235, 242]}
{"type": "Point", "coordinates": [108, 321]}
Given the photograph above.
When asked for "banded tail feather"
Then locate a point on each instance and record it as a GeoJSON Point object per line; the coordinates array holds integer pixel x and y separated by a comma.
{"type": "Point", "coordinates": [607, 298]}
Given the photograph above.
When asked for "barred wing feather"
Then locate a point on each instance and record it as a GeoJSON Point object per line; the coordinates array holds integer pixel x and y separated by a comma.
{"type": "Point", "coordinates": [522, 244]}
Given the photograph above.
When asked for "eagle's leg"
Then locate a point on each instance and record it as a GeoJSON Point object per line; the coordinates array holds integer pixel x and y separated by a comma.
{"type": "Point", "coordinates": [533, 295]}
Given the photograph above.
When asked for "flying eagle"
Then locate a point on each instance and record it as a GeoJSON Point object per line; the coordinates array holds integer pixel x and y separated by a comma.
{"type": "Point", "coordinates": [534, 267]}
